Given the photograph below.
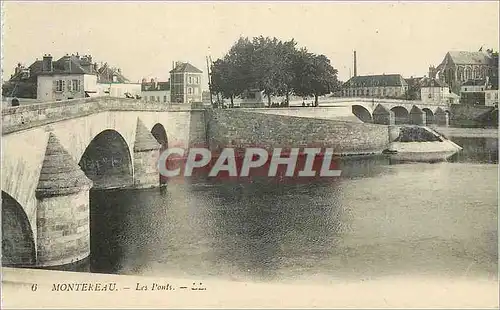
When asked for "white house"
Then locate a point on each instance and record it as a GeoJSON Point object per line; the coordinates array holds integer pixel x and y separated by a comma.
{"type": "Point", "coordinates": [70, 77]}
{"type": "Point", "coordinates": [155, 91]}
{"type": "Point", "coordinates": [433, 91]}
{"type": "Point", "coordinates": [111, 82]}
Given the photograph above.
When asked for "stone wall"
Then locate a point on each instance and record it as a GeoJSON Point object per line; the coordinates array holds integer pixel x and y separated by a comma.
{"type": "Point", "coordinates": [63, 229]}
{"type": "Point", "coordinates": [240, 129]}
{"type": "Point", "coordinates": [198, 128]}
{"type": "Point", "coordinates": [463, 115]}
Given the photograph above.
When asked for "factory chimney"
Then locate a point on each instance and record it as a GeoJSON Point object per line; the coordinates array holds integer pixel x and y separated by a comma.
{"type": "Point", "coordinates": [355, 65]}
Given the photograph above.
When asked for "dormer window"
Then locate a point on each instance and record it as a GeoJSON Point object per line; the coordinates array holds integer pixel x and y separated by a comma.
{"type": "Point", "coordinates": [115, 79]}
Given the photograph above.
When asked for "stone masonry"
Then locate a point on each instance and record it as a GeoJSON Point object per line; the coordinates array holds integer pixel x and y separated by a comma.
{"type": "Point", "coordinates": [63, 231]}
{"type": "Point", "coordinates": [146, 154]}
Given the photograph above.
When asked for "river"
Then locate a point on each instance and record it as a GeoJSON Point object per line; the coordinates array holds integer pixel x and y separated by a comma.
{"type": "Point", "coordinates": [378, 219]}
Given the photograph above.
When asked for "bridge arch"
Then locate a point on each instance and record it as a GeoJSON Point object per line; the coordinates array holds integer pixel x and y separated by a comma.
{"type": "Point", "coordinates": [18, 243]}
{"type": "Point", "coordinates": [429, 116]}
{"type": "Point", "coordinates": [401, 115]}
{"type": "Point", "coordinates": [158, 131]}
{"type": "Point", "coordinates": [362, 113]}
{"type": "Point", "coordinates": [107, 159]}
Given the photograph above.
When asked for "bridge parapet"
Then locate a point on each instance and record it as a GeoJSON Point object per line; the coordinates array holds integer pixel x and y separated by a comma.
{"type": "Point", "coordinates": [33, 115]}
{"type": "Point", "coordinates": [381, 101]}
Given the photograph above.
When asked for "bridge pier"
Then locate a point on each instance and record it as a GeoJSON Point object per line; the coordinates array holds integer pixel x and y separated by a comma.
{"type": "Point", "coordinates": [146, 155]}
{"type": "Point", "coordinates": [441, 118]}
{"type": "Point", "coordinates": [383, 116]}
{"type": "Point", "coordinates": [417, 116]}
{"type": "Point", "coordinates": [63, 217]}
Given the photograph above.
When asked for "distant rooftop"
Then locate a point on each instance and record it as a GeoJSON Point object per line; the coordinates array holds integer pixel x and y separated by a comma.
{"type": "Point", "coordinates": [185, 67]}
{"type": "Point", "coordinates": [155, 86]}
{"type": "Point", "coordinates": [465, 57]}
{"type": "Point", "coordinates": [376, 80]}
{"type": "Point", "coordinates": [428, 82]}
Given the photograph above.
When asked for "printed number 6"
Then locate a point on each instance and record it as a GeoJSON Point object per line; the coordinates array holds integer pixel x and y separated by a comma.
{"type": "Point", "coordinates": [34, 287]}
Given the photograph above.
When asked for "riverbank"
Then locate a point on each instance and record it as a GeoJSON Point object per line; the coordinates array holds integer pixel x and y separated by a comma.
{"type": "Point", "coordinates": [17, 285]}
{"type": "Point", "coordinates": [468, 132]}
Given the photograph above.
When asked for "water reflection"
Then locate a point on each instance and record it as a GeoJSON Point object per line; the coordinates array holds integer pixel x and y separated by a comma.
{"type": "Point", "coordinates": [377, 219]}
{"type": "Point", "coordinates": [476, 150]}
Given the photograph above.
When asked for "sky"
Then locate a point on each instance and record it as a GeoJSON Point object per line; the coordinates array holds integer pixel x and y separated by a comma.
{"type": "Point", "coordinates": [144, 38]}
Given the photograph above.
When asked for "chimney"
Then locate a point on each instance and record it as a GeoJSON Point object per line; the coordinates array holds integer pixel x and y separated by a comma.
{"type": "Point", "coordinates": [47, 63]}
{"type": "Point", "coordinates": [178, 63]}
{"type": "Point", "coordinates": [432, 72]}
{"type": "Point", "coordinates": [67, 63]}
{"type": "Point", "coordinates": [355, 65]}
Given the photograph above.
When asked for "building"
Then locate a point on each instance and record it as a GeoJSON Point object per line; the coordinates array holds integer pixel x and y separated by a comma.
{"type": "Point", "coordinates": [459, 67]}
{"type": "Point", "coordinates": [70, 77]}
{"type": "Point", "coordinates": [22, 84]}
{"type": "Point", "coordinates": [377, 86]}
{"type": "Point", "coordinates": [155, 91]}
{"type": "Point", "coordinates": [491, 93]}
{"type": "Point", "coordinates": [111, 82]}
{"type": "Point", "coordinates": [480, 92]}
{"type": "Point", "coordinates": [414, 88]}
{"type": "Point", "coordinates": [185, 83]}
{"type": "Point", "coordinates": [434, 91]}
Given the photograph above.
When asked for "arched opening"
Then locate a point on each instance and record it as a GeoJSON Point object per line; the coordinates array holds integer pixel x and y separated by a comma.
{"type": "Point", "coordinates": [362, 113]}
{"type": "Point", "coordinates": [18, 245]}
{"type": "Point", "coordinates": [107, 161]}
{"type": "Point", "coordinates": [158, 131]}
{"type": "Point", "coordinates": [401, 115]}
{"type": "Point", "coordinates": [429, 116]}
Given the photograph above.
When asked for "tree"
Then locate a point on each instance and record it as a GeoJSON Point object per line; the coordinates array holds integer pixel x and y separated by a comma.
{"type": "Point", "coordinates": [274, 67]}
{"type": "Point", "coordinates": [314, 75]}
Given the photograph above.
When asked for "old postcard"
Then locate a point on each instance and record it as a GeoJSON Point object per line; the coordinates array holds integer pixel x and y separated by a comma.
{"type": "Point", "coordinates": [249, 154]}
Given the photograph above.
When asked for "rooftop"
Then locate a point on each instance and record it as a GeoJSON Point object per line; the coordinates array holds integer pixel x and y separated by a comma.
{"type": "Point", "coordinates": [376, 80]}
{"type": "Point", "coordinates": [465, 57]}
{"type": "Point", "coordinates": [185, 67]}
{"type": "Point", "coordinates": [155, 86]}
{"type": "Point", "coordinates": [428, 82]}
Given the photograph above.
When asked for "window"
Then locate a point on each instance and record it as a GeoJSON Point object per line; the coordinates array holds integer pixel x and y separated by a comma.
{"type": "Point", "coordinates": [482, 88]}
{"type": "Point", "coordinates": [197, 80]}
{"type": "Point", "coordinates": [158, 98]}
{"type": "Point", "coordinates": [496, 95]}
{"type": "Point", "coordinates": [190, 80]}
{"type": "Point", "coordinates": [190, 90]}
{"type": "Point", "coordinates": [488, 96]}
{"type": "Point", "coordinates": [76, 85]}
{"type": "Point", "coordinates": [59, 85]}
{"type": "Point", "coordinates": [164, 98]}
{"type": "Point", "coordinates": [151, 98]}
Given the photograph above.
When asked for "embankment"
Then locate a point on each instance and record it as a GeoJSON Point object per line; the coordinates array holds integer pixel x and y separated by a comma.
{"type": "Point", "coordinates": [245, 128]}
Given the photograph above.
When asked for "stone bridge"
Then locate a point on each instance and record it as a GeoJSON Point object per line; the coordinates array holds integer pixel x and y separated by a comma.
{"type": "Point", "coordinates": [54, 153]}
{"type": "Point", "coordinates": [389, 111]}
